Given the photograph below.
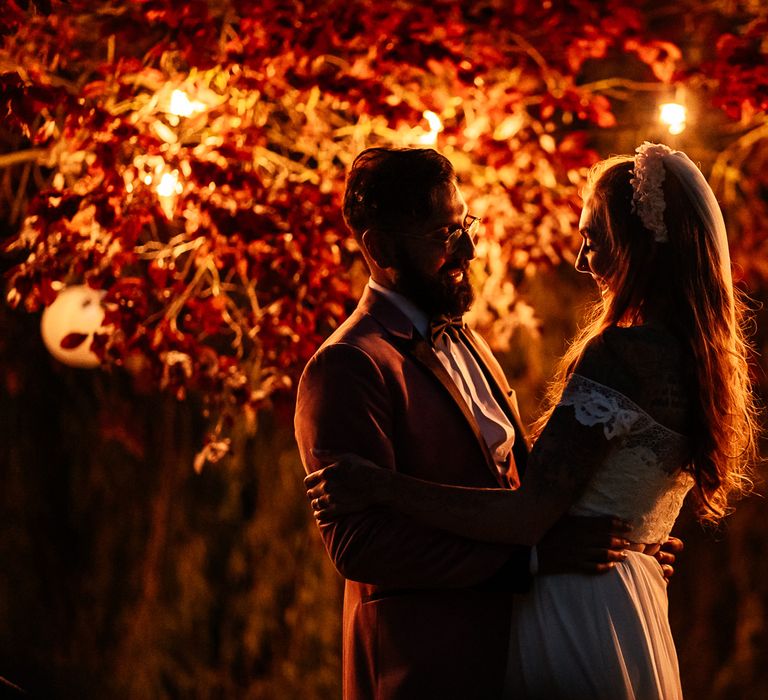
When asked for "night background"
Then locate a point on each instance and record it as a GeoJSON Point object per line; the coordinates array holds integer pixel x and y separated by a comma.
{"type": "Point", "coordinates": [171, 178]}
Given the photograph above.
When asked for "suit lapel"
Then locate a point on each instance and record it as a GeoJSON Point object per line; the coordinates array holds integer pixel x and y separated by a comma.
{"type": "Point", "coordinates": [503, 395]}
{"type": "Point", "coordinates": [418, 348]}
{"type": "Point", "coordinates": [408, 340]}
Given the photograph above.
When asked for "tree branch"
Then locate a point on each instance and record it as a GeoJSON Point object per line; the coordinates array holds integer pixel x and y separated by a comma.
{"type": "Point", "coordinates": [30, 154]}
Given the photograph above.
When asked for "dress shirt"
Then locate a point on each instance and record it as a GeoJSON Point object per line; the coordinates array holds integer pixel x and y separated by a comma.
{"type": "Point", "coordinates": [469, 378]}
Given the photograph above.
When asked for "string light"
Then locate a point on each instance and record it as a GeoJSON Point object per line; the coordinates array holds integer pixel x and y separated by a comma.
{"type": "Point", "coordinates": [182, 106]}
{"type": "Point", "coordinates": [154, 172]}
{"type": "Point", "coordinates": [673, 115]}
{"type": "Point", "coordinates": [169, 184]}
{"type": "Point", "coordinates": [435, 127]}
{"type": "Point", "coordinates": [167, 189]}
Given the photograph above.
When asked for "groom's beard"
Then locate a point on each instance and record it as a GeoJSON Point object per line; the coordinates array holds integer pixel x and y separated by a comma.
{"type": "Point", "coordinates": [436, 294]}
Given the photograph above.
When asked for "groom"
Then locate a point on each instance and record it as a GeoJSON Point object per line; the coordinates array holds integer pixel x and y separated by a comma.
{"type": "Point", "coordinates": [406, 385]}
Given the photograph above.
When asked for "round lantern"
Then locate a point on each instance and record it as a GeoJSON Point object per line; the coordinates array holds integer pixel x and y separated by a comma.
{"type": "Point", "coordinates": [68, 325]}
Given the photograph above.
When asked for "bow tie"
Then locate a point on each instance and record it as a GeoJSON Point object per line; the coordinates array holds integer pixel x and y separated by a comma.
{"type": "Point", "coordinates": [444, 325]}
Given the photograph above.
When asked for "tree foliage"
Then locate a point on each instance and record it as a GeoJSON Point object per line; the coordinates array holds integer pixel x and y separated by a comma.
{"type": "Point", "coordinates": [188, 159]}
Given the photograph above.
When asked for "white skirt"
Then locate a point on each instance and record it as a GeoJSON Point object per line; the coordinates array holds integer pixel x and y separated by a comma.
{"type": "Point", "coordinates": [580, 637]}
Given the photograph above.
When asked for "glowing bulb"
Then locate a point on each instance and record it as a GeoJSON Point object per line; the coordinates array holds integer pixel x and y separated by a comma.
{"type": "Point", "coordinates": [674, 116]}
{"type": "Point", "coordinates": [169, 185]}
{"type": "Point", "coordinates": [167, 189]}
{"type": "Point", "coordinates": [435, 127]}
{"type": "Point", "coordinates": [182, 106]}
{"type": "Point", "coordinates": [434, 121]}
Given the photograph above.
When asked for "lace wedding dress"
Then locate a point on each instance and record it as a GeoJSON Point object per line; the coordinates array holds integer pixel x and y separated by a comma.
{"type": "Point", "coordinates": [607, 636]}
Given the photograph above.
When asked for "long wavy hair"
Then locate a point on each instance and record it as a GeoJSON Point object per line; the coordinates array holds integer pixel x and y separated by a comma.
{"type": "Point", "coordinates": [681, 284]}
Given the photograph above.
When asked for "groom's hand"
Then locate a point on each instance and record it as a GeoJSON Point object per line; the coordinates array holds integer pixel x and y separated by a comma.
{"type": "Point", "coordinates": [583, 544]}
{"type": "Point", "coordinates": [667, 554]}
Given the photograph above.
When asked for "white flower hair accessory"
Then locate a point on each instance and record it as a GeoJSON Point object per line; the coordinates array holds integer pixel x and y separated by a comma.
{"type": "Point", "coordinates": [647, 196]}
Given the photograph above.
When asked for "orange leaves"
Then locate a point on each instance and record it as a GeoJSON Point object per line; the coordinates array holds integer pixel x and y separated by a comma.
{"type": "Point", "coordinates": [204, 147]}
{"type": "Point", "coordinates": [662, 57]}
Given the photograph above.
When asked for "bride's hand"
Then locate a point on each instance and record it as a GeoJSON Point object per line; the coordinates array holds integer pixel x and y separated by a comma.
{"type": "Point", "coordinates": [347, 484]}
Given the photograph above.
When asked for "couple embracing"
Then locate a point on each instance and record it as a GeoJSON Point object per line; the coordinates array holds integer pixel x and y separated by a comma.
{"type": "Point", "coordinates": [478, 563]}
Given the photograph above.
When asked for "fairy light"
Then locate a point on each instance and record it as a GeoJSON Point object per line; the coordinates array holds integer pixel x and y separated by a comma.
{"type": "Point", "coordinates": [435, 127]}
{"type": "Point", "coordinates": [169, 184]}
{"type": "Point", "coordinates": [167, 189]}
{"type": "Point", "coordinates": [182, 106]}
{"type": "Point", "coordinates": [154, 172]}
{"type": "Point", "coordinates": [434, 121]}
{"type": "Point", "coordinates": [673, 115]}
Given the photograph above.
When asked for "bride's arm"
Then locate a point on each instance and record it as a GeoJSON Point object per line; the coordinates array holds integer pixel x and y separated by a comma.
{"type": "Point", "coordinates": [560, 464]}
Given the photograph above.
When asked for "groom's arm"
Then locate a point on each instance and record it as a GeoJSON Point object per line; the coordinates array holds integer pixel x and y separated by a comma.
{"type": "Point", "coordinates": [343, 405]}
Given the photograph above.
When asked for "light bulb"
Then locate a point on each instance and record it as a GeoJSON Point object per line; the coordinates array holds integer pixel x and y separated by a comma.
{"type": "Point", "coordinates": [182, 106]}
{"type": "Point", "coordinates": [435, 127]}
{"type": "Point", "coordinates": [674, 116]}
{"type": "Point", "coordinates": [169, 184]}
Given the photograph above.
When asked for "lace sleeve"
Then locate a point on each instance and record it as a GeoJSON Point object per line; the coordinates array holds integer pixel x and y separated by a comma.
{"type": "Point", "coordinates": [596, 404]}
{"type": "Point", "coordinates": [644, 365]}
{"type": "Point", "coordinates": [641, 478]}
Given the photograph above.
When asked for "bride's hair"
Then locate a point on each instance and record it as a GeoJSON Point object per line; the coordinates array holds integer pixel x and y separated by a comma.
{"type": "Point", "coordinates": [685, 283]}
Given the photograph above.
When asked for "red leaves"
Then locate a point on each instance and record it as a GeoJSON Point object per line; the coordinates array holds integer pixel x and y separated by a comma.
{"type": "Point", "coordinates": [583, 106]}
{"type": "Point", "coordinates": [245, 223]}
{"type": "Point", "coordinates": [203, 317]}
{"type": "Point", "coordinates": [130, 295]}
{"type": "Point", "coordinates": [217, 232]}
{"type": "Point", "coordinates": [51, 206]}
{"type": "Point", "coordinates": [126, 306]}
{"type": "Point", "coordinates": [740, 68]}
{"type": "Point", "coordinates": [663, 57]}
{"type": "Point", "coordinates": [582, 49]}
{"type": "Point", "coordinates": [11, 17]}
{"type": "Point", "coordinates": [22, 102]}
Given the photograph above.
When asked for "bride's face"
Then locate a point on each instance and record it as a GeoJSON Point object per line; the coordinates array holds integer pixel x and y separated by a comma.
{"type": "Point", "coordinates": [593, 258]}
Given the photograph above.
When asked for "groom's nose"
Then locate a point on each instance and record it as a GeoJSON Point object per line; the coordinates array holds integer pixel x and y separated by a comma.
{"type": "Point", "coordinates": [465, 247]}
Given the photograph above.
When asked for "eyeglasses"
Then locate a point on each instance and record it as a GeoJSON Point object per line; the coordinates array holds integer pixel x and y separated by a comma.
{"type": "Point", "coordinates": [449, 236]}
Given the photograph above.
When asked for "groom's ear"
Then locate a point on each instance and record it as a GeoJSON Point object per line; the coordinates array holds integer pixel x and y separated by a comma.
{"type": "Point", "coordinates": [379, 247]}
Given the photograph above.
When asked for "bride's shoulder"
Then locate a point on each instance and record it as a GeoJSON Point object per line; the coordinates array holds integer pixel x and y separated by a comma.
{"type": "Point", "coordinates": [645, 363]}
{"type": "Point", "coordinates": [604, 360]}
{"type": "Point", "coordinates": [634, 347]}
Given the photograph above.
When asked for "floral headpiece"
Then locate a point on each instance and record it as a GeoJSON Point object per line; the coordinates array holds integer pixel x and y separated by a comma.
{"type": "Point", "coordinates": [647, 196]}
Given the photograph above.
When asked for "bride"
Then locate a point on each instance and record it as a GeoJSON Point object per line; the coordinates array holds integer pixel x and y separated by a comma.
{"type": "Point", "coordinates": [652, 400]}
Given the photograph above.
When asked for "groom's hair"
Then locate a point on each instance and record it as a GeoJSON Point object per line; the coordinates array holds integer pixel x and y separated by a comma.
{"type": "Point", "coordinates": [392, 188]}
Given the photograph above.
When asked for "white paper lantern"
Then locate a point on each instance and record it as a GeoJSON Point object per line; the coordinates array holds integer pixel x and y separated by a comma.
{"type": "Point", "coordinates": [76, 312]}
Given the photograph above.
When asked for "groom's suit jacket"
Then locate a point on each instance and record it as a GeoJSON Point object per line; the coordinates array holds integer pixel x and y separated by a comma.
{"type": "Point", "coordinates": [426, 613]}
